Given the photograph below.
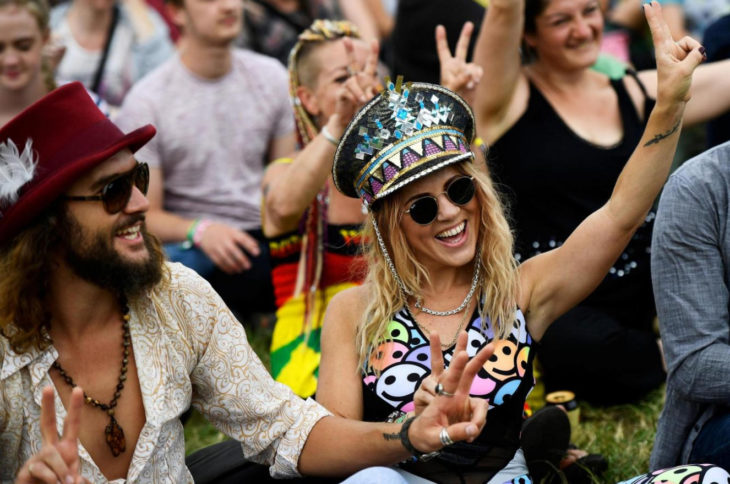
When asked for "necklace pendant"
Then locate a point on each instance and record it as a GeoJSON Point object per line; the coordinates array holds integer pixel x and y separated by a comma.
{"type": "Point", "coordinates": [115, 437]}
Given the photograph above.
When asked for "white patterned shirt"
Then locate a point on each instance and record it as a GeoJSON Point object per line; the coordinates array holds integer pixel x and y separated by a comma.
{"type": "Point", "coordinates": [189, 348]}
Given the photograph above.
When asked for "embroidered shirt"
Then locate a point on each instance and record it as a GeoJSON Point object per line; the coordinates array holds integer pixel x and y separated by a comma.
{"type": "Point", "coordinates": [189, 348]}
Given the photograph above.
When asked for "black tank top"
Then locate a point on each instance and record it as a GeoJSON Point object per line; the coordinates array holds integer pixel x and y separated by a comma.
{"type": "Point", "coordinates": [553, 179]}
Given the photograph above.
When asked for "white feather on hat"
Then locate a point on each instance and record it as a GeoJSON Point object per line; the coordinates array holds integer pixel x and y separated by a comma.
{"type": "Point", "coordinates": [16, 169]}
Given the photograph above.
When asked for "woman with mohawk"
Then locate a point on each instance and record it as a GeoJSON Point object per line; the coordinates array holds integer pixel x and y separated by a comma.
{"type": "Point", "coordinates": [314, 231]}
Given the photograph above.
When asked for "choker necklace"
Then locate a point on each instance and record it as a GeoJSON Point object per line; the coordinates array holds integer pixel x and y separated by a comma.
{"type": "Point", "coordinates": [467, 299]}
{"type": "Point", "coordinates": [427, 331]}
{"type": "Point", "coordinates": [114, 433]}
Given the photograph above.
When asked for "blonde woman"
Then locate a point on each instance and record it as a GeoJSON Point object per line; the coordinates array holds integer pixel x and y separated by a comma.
{"type": "Point", "coordinates": [441, 272]}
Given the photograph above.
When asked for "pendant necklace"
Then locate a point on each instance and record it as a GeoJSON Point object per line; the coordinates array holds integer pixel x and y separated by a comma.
{"type": "Point", "coordinates": [114, 433]}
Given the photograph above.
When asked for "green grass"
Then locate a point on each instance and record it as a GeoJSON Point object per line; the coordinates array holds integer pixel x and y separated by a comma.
{"type": "Point", "coordinates": [622, 433]}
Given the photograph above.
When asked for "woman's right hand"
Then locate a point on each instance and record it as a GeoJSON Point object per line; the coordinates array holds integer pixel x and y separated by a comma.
{"type": "Point", "coordinates": [676, 61]}
{"type": "Point", "coordinates": [58, 460]}
{"type": "Point", "coordinates": [427, 389]}
{"type": "Point", "coordinates": [361, 85]}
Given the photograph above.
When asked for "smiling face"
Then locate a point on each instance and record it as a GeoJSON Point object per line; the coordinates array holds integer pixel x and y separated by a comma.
{"type": "Point", "coordinates": [21, 44]}
{"type": "Point", "coordinates": [110, 250]}
{"type": "Point", "coordinates": [450, 240]}
{"type": "Point", "coordinates": [568, 33]}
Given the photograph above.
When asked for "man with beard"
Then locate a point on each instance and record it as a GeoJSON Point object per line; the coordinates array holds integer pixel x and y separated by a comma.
{"type": "Point", "coordinates": [86, 301]}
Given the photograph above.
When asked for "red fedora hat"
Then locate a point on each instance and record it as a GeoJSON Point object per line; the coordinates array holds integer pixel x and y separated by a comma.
{"type": "Point", "coordinates": [70, 136]}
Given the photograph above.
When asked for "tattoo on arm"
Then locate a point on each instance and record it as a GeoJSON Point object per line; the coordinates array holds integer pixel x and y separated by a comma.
{"type": "Point", "coordinates": [391, 436]}
{"type": "Point", "coordinates": [658, 137]}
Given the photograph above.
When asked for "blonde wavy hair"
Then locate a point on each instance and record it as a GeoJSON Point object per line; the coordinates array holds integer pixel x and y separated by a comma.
{"type": "Point", "coordinates": [498, 279]}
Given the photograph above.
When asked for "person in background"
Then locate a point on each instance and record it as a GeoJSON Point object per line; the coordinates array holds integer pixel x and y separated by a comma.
{"type": "Point", "coordinates": [313, 230]}
{"type": "Point", "coordinates": [582, 128]}
{"type": "Point", "coordinates": [109, 44]}
{"type": "Point", "coordinates": [26, 56]}
{"type": "Point", "coordinates": [222, 113]}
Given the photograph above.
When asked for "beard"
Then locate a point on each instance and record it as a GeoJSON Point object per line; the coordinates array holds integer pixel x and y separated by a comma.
{"type": "Point", "coordinates": [92, 257]}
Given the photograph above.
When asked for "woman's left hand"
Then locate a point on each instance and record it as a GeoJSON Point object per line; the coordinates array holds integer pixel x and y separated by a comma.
{"type": "Point", "coordinates": [676, 61]}
{"type": "Point", "coordinates": [452, 410]}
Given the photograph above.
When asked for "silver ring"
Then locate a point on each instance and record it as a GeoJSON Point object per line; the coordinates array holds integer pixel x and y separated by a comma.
{"type": "Point", "coordinates": [440, 391]}
{"type": "Point", "coordinates": [444, 437]}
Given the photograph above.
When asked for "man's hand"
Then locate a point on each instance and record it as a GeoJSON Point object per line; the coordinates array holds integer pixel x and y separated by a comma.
{"type": "Point", "coordinates": [462, 416]}
{"type": "Point", "coordinates": [456, 74]}
{"type": "Point", "coordinates": [225, 246]}
{"type": "Point", "coordinates": [58, 460]}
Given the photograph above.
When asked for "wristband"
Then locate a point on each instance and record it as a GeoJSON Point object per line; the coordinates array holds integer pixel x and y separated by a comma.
{"type": "Point", "coordinates": [188, 243]}
{"type": "Point", "coordinates": [199, 231]}
{"type": "Point", "coordinates": [328, 136]}
{"type": "Point", "coordinates": [422, 456]}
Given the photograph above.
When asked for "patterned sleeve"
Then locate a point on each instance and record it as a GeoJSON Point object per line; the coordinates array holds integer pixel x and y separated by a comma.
{"type": "Point", "coordinates": [233, 390]}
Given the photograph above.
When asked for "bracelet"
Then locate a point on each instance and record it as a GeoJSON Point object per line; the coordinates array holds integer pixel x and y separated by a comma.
{"type": "Point", "coordinates": [188, 243]}
{"type": "Point", "coordinates": [328, 136]}
{"type": "Point", "coordinates": [422, 456]}
{"type": "Point", "coordinates": [199, 230]}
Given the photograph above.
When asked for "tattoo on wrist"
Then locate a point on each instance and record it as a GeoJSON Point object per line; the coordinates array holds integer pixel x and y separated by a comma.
{"type": "Point", "coordinates": [658, 137]}
{"type": "Point", "coordinates": [391, 436]}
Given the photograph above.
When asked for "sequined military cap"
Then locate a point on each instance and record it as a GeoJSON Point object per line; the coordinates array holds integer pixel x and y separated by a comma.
{"type": "Point", "coordinates": [404, 133]}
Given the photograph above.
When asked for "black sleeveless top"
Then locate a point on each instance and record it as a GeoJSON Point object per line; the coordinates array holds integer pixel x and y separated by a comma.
{"type": "Point", "coordinates": [404, 360]}
{"type": "Point", "coordinates": [553, 179]}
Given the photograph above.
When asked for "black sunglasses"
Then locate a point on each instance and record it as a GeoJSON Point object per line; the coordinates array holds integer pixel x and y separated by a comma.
{"type": "Point", "coordinates": [115, 194]}
{"type": "Point", "coordinates": [459, 191]}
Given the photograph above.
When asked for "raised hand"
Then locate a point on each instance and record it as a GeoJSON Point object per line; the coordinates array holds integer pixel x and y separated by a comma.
{"type": "Point", "coordinates": [427, 389]}
{"type": "Point", "coordinates": [676, 61]}
{"type": "Point", "coordinates": [362, 82]}
{"type": "Point", "coordinates": [456, 74]}
{"type": "Point", "coordinates": [452, 414]}
{"type": "Point", "coordinates": [58, 459]}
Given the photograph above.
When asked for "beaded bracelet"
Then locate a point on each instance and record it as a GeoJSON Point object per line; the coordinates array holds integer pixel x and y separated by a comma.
{"type": "Point", "coordinates": [422, 456]}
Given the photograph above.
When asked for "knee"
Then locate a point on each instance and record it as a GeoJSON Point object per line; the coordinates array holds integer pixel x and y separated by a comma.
{"type": "Point", "coordinates": [383, 475]}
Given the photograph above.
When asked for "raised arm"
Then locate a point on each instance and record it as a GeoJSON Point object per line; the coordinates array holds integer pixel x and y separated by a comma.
{"type": "Point", "coordinates": [497, 51]}
{"type": "Point", "coordinates": [290, 188]}
{"type": "Point", "coordinates": [555, 281]}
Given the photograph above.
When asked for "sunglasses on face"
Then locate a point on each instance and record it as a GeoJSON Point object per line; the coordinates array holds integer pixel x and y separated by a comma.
{"type": "Point", "coordinates": [459, 191]}
{"type": "Point", "coordinates": [116, 194]}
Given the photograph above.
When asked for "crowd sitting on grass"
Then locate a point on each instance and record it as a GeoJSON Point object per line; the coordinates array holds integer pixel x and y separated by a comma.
{"type": "Point", "coordinates": [419, 248]}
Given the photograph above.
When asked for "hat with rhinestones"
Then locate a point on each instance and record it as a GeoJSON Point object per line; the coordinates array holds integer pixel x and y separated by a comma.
{"type": "Point", "coordinates": [404, 133]}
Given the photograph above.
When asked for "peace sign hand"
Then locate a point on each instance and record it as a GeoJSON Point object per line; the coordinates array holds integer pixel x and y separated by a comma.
{"type": "Point", "coordinates": [58, 460]}
{"type": "Point", "coordinates": [427, 389]}
{"type": "Point", "coordinates": [361, 85]}
{"type": "Point", "coordinates": [456, 74]}
{"type": "Point", "coordinates": [453, 415]}
{"type": "Point", "coordinates": [676, 61]}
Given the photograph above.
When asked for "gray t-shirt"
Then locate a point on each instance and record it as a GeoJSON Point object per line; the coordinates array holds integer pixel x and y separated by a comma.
{"type": "Point", "coordinates": [212, 135]}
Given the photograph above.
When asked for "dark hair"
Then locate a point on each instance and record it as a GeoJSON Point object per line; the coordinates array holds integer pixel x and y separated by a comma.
{"type": "Point", "coordinates": [25, 262]}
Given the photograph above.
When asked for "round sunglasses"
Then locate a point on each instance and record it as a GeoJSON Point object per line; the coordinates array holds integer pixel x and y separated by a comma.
{"type": "Point", "coordinates": [116, 194]}
{"type": "Point", "coordinates": [459, 191]}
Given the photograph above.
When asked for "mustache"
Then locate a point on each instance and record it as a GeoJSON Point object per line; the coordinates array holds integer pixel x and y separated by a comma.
{"type": "Point", "coordinates": [131, 220]}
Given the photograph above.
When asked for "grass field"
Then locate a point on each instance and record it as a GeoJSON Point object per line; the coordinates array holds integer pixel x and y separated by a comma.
{"type": "Point", "coordinates": [623, 433]}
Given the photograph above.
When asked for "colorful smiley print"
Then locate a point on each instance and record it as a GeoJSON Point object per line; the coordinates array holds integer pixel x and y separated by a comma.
{"type": "Point", "coordinates": [398, 383]}
{"type": "Point", "coordinates": [501, 365]}
{"type": "Point", "coordinates": [386, 354]}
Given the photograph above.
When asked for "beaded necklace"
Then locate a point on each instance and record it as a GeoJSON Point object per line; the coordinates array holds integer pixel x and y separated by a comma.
{"type": "Point", "coordinates": [114, 433]}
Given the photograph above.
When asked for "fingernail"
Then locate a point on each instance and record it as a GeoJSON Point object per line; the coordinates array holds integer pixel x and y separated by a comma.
{"type": "Point", "coordinates": [471, 430]}
{"type": "Point", "coordinates": [69, 480]}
